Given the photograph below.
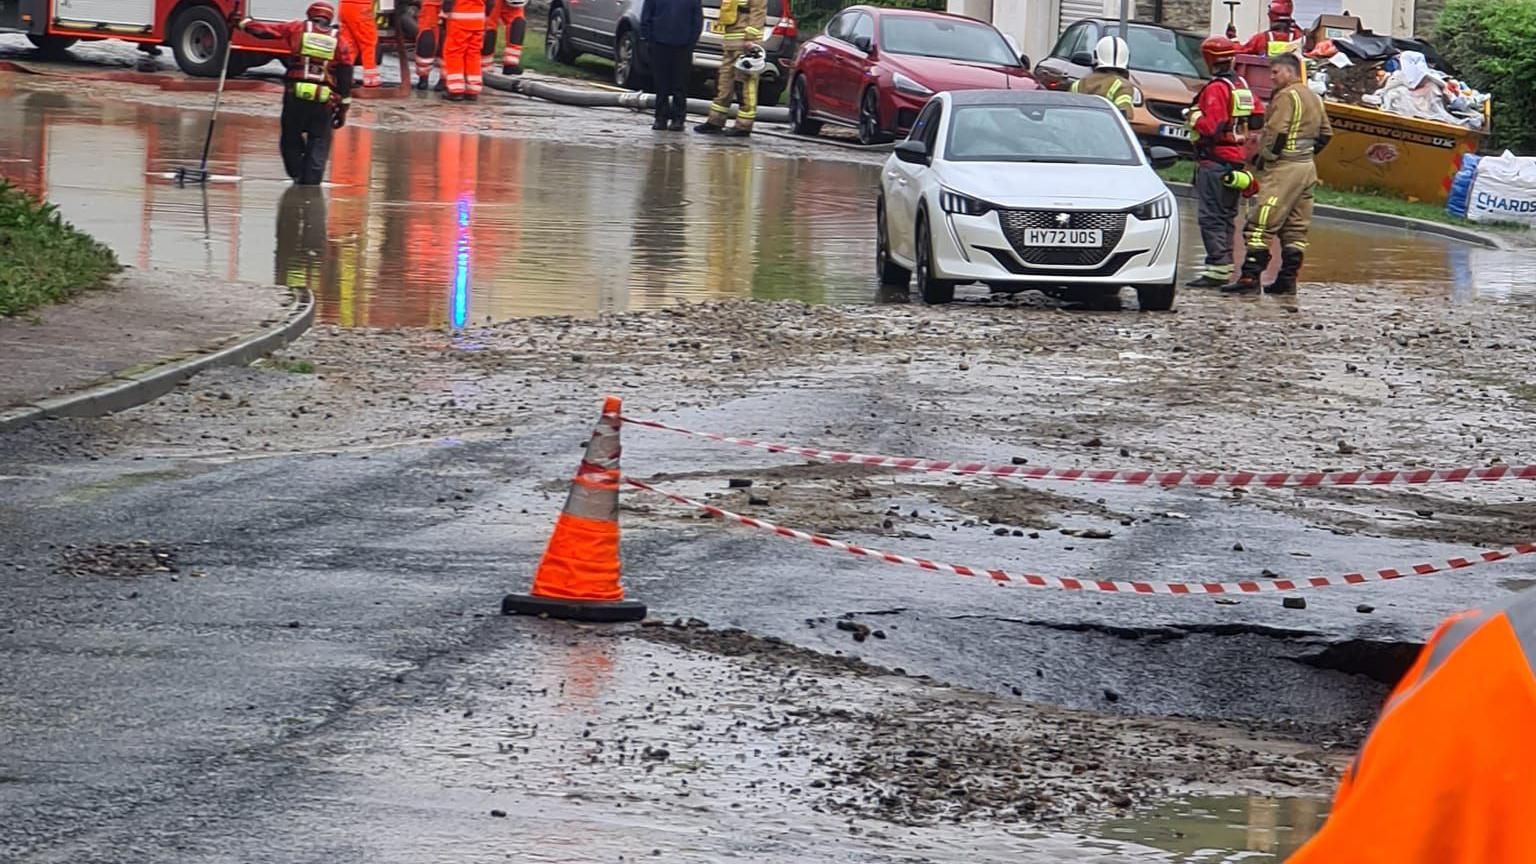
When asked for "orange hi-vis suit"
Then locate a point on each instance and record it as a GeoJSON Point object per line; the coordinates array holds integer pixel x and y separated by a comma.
{"type": "Point", "coordinates": [1448, 774]}
{"type": "Point", "coordinates": [509, 14]}
{"type": "Point", "coordinates": [362, 30]}
{"type": "Point", "coordinates": [462, 46]}
{"type": "Point", "coordinates": [429, 38]}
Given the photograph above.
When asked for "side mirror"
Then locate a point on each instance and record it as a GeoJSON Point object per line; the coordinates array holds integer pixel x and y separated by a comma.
{"type": "Point", "coordinates": [1024, 58]}
{"type": "Point", "coordinates": [916, 152]}
{"type": "Point", "coordinates": [864, 43]}
{"type": "Point", "coordinates": [1162, 157]}
{"type": "Point", "coordinates": [1082, 58]}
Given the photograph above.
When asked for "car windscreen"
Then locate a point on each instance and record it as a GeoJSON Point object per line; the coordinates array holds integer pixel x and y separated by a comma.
{"type": "Point", "coordinates": [1061, 133]}
{"type": "Point", "coordinates": [1155, 49]}
{"type": "Point", "coordinates": [945, 38]}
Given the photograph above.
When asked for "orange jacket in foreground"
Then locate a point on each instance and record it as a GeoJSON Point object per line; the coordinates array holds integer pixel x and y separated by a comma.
{"type": "Point", "coordinates": [1448, 776]}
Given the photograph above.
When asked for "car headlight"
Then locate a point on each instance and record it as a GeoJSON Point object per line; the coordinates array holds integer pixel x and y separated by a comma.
{"type": "Point", "coordinates": [1160, 207]}
{"type": "Point", "coordinates": [1136, 98]}
{"type": "Point", "coordinates": [907, 85]}
{"type": "Point", "coordinates": [964, 205]}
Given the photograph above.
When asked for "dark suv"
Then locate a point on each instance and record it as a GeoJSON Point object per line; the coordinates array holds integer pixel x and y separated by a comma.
{"type": "Point", "coordinates": [611, 29]}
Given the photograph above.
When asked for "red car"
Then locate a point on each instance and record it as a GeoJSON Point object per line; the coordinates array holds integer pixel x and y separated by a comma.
{"type": "Point", "coordinates": [874, 69]}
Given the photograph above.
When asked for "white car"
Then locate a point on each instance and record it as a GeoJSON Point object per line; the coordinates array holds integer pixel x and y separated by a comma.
{"type": "Point", "coordinates": [1027, 189]}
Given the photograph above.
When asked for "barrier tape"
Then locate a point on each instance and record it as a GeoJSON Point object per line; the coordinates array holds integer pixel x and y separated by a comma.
{"type": "Point", "coordinates": [1129, 477]}
{"type": "Point", "coordinates": [1104, 585]}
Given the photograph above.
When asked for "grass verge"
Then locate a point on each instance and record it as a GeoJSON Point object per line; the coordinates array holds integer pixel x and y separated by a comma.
{"type": "Point", "coordinates": [1369, 200]}
{"type": "Point", "coordinates": [586, 66]}
{"type": "Point", "coordinates": [43, 259]}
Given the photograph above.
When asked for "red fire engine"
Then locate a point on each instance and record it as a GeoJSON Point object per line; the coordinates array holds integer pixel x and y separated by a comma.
{"type": "Point", "coordinates": [195, 30]}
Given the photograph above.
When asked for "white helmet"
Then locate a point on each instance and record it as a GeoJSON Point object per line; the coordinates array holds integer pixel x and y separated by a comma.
{"type": "Point", "coordinates": [1112, 53]}
{"type": "Point", "coordinates": [753, 61]}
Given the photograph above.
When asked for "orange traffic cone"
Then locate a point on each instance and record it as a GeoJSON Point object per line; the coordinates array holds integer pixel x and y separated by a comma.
{"type": "Point", "coordinates": [578, 577]}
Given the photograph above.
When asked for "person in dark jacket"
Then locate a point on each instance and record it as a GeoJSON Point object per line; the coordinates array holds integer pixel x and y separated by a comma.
{"type": "Point", "coordinates": [670, 29]}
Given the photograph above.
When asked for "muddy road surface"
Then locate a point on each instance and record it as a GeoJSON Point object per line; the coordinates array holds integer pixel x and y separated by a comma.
{"type": "Point", "coordinates": [256, 619]}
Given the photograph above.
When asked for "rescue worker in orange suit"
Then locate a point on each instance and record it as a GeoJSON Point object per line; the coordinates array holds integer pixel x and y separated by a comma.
{"type": "Point", "coordinates": [1218, 125]}
{"type": "Point", "coordinates": [429, 42]}
{"type": "Point", "coordinates": [462, 41]}
{"type": "Point", "coordinates": [508, 13]}
{"type": "Point", "coordinates": [361, 28]}
{"type": "Point", "coordinates": [1295, 129]}
{"type": "Point", "coordinates": [743, 21]}
{"type": "Point", "coordinates": [1445, 776]}
{"type": "Point", "coordinates": [1282, 31]}
{"type": "Point", "coordinates": [317, 91]}
{"type": "Point", "coordinates": [1111, 76]}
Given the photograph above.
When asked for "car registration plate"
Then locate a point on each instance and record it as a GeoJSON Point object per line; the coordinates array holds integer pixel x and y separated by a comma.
{"type": "Point", "coordinates": [1085, 237]}
{"type": "Point", "coordinates": [1168, 130]}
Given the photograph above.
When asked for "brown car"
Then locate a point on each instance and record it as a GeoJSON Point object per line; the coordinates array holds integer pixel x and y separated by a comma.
{"type": "Point", "coordinates": [1166, 68]}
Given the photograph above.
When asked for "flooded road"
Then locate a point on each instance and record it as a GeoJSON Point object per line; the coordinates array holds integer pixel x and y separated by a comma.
{"type": "Point", "coordinates": [452, 227]}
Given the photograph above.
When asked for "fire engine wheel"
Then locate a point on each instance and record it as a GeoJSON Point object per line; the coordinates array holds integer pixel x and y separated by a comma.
{"type": "Point", "coordinates": [51, 46]}
{"type": "Point", "coordinates": [198, 38]}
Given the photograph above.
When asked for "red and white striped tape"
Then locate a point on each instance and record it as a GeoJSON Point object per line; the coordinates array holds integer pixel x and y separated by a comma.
{"type": "Point", "coordinates": [1105, 585]}
{"type": "Point", "coordinates": [1129, 477]}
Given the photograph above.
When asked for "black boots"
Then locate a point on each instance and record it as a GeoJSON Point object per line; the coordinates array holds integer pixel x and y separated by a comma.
{"type": "Point", "coordinates": [509, 69]}
{"type": "Point", "coordinates": [1207, 280]}
{"type": "Point", "coordinates": [1290, 267]}
{"type": "Point", "coordinates": [1253, 270]}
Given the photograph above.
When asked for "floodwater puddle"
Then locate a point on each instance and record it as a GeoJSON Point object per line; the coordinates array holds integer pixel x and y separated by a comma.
{"type": "Point", "coordinates": [1206, 830]}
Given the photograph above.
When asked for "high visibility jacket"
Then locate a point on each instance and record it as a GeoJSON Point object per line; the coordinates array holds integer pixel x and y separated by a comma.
{"type": "Point", "coordinates": [1448, 775]}
{"type": "Point", "coordinates": [743, 20]}
{"type": "Point", "coordinates": [1219, 118]}
{"type": "Point", "coordinates": [1296, 126]}
{"type": "Point", "coordinates": [1112, 86]}
{"type": "Point", "coordinates": [319, 57]}
{"type": "Point", "coordinates": [1259, 43]}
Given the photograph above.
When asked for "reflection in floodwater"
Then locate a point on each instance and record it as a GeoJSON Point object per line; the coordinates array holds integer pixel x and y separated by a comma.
{"type": "Point", "coordinates": [442, 228]}
{"type": "Point", "coordinates": [1251, 828]}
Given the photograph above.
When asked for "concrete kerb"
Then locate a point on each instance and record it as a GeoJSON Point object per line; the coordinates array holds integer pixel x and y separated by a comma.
{"type": "Point", "coordinates": [136, 386]}
{"type": "Point", "coordinates": [1386, 220]}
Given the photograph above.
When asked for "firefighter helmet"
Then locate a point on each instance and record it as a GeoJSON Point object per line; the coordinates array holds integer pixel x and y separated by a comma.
{"type": "Point", "coordinates": [753, 61]}
{"type": "Point", "coordinates": [1218, 51]}
{"type": "Point", "coordinates": [1112, 53]}
{"type": "Point", "coordinates": [321, 12]}
{"type": "Point", "coordinates": [1281, 11]}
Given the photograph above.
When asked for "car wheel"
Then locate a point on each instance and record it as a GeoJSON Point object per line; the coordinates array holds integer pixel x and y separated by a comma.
{"type": "Point", "coordinates": [1156, 298]}
{"type": "Point", "coordinates": [51, 47]}
{"type": "Point", "coordinates": [936, 292]}
{"type": "Point", "coordinates": [557, 38]}
{"type": "Point", "coordinates": [889, 271]}
{"type": "Point", "coordinates": [869, 119]}
{"type": "Point", "coordinates": [800, 121]}
{"type": "Point", "coordinates": [627, 72]}
{"type": "Point", "coordinates": [769, 93]}
{"type": "Point", "coordinates": [198, 39]}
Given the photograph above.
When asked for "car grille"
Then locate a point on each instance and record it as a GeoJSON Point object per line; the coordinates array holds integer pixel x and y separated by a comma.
{"type": "Point", "coordinates": [1015, 222]}
{"type": "Point", "coordinates": [1168, 112]}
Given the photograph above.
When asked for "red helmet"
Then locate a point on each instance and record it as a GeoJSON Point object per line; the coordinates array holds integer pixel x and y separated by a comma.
{"type": "Point", "coordinates": [1281, 10]}
{"type": "Point", "coordinates": [321, 12]}
{"type": "Point", "coordinates": [1218, 50]}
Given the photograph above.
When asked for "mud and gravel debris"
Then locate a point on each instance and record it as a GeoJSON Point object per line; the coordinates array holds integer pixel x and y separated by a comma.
{"type": "Point", "coordinates": [118, 560]}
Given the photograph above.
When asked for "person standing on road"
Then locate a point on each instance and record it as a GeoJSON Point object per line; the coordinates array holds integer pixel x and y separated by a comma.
{"type": "Point", "coordinates": [743, 21]}
{"type": "Point", "coordinates": [669, 29]}
{"type": "Point", "coordinates": [429, 43]}
{"type": "Point", "coordinates": [1218, 125]}
{"type": "Point", "coordinates": [462, 45]}
{"type": "Point", "coordinates": [1111, 76]}
{"type": "Point", "coordinates": [317, 90]}
{"type": "Point", "coordinates": [361, 27]}
{"type": "Point", "coordinates": [1445, 776]}
{"type": "Point", "coordinates": [513, 15]}
{"type": "Point", "coordinates": [1295, 129]}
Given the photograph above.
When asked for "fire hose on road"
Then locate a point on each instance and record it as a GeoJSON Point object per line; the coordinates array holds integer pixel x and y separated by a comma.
{"type": "Point", "coordinates": [588, 98]}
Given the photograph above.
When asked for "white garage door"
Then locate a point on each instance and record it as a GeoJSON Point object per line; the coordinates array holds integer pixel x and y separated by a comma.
{"type": "Point", "coordinates": [1076, 10]}
{"type": "Point", "coordinates": [1307, 11]}
{"type": "Point", "coordinates": [135, 12]}
{"type": "Point", "coordinates": [288, 10]}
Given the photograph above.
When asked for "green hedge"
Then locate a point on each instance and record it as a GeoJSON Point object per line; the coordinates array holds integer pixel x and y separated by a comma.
{"type": "Point", "coordinates": [43, 259]}
{"type": "Point", "coordinates": [812, 15]}
{"type": "Point", "coordinates": [1492, 43]}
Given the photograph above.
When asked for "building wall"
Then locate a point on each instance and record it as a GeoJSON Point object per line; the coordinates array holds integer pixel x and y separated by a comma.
{"type": "Point", "coordinates": [1396, 17]}
{"type": "Point", "coordinates": [1184, 14]}
{"type": "Point", "coordinates": [1424, 14]}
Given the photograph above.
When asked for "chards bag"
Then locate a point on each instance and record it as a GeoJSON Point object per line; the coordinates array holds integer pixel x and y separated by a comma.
{"type": "Point", "coordinates": [1504, 190]}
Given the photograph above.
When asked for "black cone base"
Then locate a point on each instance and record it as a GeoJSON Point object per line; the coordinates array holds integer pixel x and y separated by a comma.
{"type": "Point", "coordinates": [599, 611]}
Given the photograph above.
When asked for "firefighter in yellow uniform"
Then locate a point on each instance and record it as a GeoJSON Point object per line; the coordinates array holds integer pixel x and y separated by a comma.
{"type": "Point", "coordinates": [742, 53]}
{"type": "Point", "coordinates": [1295, 129]}
{"type": "Point", "coordinates": [1111, 75]}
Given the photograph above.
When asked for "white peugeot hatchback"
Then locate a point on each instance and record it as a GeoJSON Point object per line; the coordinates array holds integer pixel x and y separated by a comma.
{"type": "Point", "coordinates": [1027, 189]}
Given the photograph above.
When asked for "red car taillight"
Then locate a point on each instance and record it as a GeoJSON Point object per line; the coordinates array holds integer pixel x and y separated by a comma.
{"type": "Point", "coordinates": [787, 28]}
